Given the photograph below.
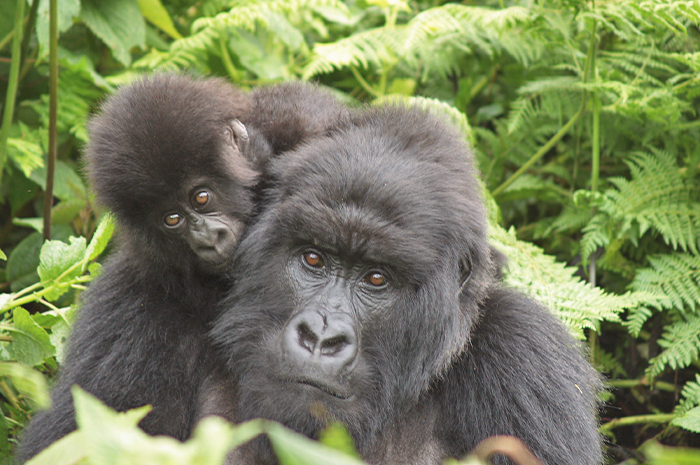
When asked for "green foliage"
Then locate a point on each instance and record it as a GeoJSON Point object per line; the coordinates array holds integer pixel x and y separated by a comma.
{"type": "Point", "coordinates": [107, 437]}
{"type": "Point", "coordinates": [612, 201]}
{"type": "Point", "coordinates": [554, 284]}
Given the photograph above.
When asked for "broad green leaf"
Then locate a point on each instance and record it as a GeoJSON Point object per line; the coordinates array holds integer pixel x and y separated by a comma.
{"type": "Point", "coordinates": [67, 183]}
{"type": "Point", "coordinates": [57, 257]}
{"type": "Point", "coordinates": [2, 255]}
{"type": "Point", "coordinates": [285, 31]}
{"type": "Point", "coordinates": [155, 12]}
{"type": "Point", "coordinates": [91, 413]}
{"type": "Point", "coordinates": [119, 24]}
{"type": "Point", "coordinates": [59, 339]}
{"type": "Point", "coordinates": [67, 451]}
{"type": "Point", "coordinates": [30, 342]}
{"type": "Point", "coordinates": [658, 454]}
{"type": "Point", "coordinates": [294, 449]}
{"type": "Point", "coordinates": [334, 14]}
{"type": "Point", "coordinates": [23, 261]}
{"type": "Point", "coordinates": [402, 86]}
{"type": "Point", "coordinates": [29, 382]}
{"type": "Point", "coordinates": [65, 212]}
{"type": "Point", "coordinates": [337, 437]}
{"type": "Point", "coordinates": [253, 55]}
{"type": "Point", "coordinates": [37, 224]}
{"type": "Point", "coordinates": [111, 438]}
{"type": "Point", "coordinates": [21, 190]}
{"type": "Point", "coordinates": [101, 237]}
{"type": "Point", "coordinates": [67, 10]}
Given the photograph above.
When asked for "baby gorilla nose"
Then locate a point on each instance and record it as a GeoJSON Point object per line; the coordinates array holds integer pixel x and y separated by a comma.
{"type": "Point", "coordinates": [327, 342]}
{"type": "Point", "coordinates": [213, 241]}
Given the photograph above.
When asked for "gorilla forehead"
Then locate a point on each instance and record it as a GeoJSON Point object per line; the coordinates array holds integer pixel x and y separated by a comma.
{"type": "Point", "coordinates": [369, 189]}
{"type": "Point", "coordinates": [157, 123]}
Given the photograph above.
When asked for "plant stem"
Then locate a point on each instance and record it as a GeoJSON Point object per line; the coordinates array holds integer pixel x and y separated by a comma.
{"type": "Point", "coordinates": [9, 395]}
{"type": "Point", "coordinates": [365, 85]}
{"type": "Point", "coordinates": [631, 383]}
{"type": "Point", "coordinates": [12, 84]}
{"type": "Point", "coordinates": [637, 420]}
{"type": "Point", "coordinates": [595, 164]}
{"type": "Point", "coordinates": [226, 58]}
{"type": "Point", "coordinates": [53, 106]}
{"type": "Point", "coordinates": [562, 132]}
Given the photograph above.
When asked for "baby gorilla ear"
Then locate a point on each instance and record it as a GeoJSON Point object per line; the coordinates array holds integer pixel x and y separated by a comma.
{"type": "Point", "coordinates": [238, 136]}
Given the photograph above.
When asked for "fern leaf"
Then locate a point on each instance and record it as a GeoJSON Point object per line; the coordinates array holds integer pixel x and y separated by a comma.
{"type": "Point", "coordinates": [690, 395]}
{"type": "Point", "coordinates": [673, 279]}
{"type": "Point", "coordinates": [690, 420]}
{"type": "Point", "coordinates": [368, 47]}
{"type": "Point", "coordinates": [577, 304]}
{"type": "Point", "coordinates": [681, 343]}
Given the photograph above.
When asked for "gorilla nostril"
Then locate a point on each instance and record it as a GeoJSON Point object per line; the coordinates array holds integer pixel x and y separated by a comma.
{"type": "Point", "coordinates": [307, 338]}
{"type": "Point", "coordinates": [333, 345]}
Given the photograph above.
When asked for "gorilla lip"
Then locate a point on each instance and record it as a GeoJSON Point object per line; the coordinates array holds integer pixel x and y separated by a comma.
{"type": "Point", "coordinates": [321, 387]}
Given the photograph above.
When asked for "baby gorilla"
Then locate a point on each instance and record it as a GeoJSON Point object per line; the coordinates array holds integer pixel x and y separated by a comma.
{"type": "Point", "coordinates": [366, 293]}
{"type": "Point", "coordinates": [172, 158]}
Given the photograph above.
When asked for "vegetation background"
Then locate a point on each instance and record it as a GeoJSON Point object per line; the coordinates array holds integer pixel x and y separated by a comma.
{"type": "Point", "coordinates": [582, 115]}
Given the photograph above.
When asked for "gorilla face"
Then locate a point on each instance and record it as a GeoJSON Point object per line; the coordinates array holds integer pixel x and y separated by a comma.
{"type": "Point", "coordinates": [169, 157]}
{"type": "Point", "coordinates": [352, 293]}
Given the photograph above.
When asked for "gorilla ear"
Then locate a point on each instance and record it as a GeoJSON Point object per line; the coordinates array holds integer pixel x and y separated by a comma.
{"type": "Point", "coordinates": [239, 135]}
{"type": "Point", "coordinates": [465, 272]}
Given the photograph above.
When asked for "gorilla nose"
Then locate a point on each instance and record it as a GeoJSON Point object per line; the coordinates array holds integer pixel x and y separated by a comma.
{"type": "Point", "coordinates": [314, 341]}
{"type": "Point", "coordinates": [213, 244]}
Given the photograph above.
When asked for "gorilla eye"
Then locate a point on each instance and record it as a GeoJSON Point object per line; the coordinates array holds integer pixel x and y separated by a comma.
{"type": "Point", "coordinates": [375, 279]}
{"type": "Point", "coordinates": [313, 259]}
{"type": "Point", "coordinates": [172, 220]}
{"type": "Point", "coordinates": [201, 198]}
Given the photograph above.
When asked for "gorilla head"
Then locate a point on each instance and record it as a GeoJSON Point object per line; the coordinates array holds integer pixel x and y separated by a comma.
{"type": "Point", "coordinates": [361, 281]}
{"type": "Point", "coordinates": [174, 170]}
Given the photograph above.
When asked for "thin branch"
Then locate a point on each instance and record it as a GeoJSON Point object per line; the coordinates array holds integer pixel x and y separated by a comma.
{"type": "Point", "coordinates": [53, 105]}
{"type": "Point", "coordinates": [654, 419]}
{"type": "Point", "coordinates": [13, 83]}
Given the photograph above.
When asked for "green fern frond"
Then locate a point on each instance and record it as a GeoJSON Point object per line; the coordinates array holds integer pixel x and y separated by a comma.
{"type": "Point", "coordinates": [673, 279]}
{"type": "Point", "coordinates": [681, 342]}
{"type": "Point", "coordinates": [373, 46]}
{"type": "Point", "coordinates": [244, 15]}
{"type": "Point", "coordinates": [468, 21]}
{"type": "Point", "coordinates": [657, 197]}
{"type": "Point", "coordinates": [597, 233]}
{"type": "Point", "coordinates": [553, 104]}
{"type": "Point", "coordinates": [690, 395]}
{"type": "Point", "coordinates": [553, 283]}
{"type": "Point", "coordinates": [636, 319]}
{"type": "Point", "coordinates": [572, 218]}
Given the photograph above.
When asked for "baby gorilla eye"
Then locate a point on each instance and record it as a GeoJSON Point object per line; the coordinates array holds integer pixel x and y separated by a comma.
{"type": "Point", "coordinates": [375, 279]}
{"type": "Point", "coordinates": [201, 198]}
{"type": "Point", "coordinates": [172, 220]}
{"type": "Point", "coordinates": [312, 259]}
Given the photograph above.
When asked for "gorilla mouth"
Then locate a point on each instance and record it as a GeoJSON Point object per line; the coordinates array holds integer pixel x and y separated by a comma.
{"type": "Point", "coordinates": [214, 258]}
{"type": "Point", "coordinates": [331, 391]}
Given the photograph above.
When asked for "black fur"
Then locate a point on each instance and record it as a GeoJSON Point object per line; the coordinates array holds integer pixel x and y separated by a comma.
{"type": "Point", "coordinates": [366, 293]}
{"type": "Point", "coordinates": [139, 338]}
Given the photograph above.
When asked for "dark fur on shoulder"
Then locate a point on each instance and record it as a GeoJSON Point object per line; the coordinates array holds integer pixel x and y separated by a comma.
{"type": "Point", "coordinates": [366, 293]}
{"type": "Point", "coordinates": [169, 156]}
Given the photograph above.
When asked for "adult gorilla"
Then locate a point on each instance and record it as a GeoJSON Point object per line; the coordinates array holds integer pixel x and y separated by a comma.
{"type": "Point", "coordinates": [366, 294]}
